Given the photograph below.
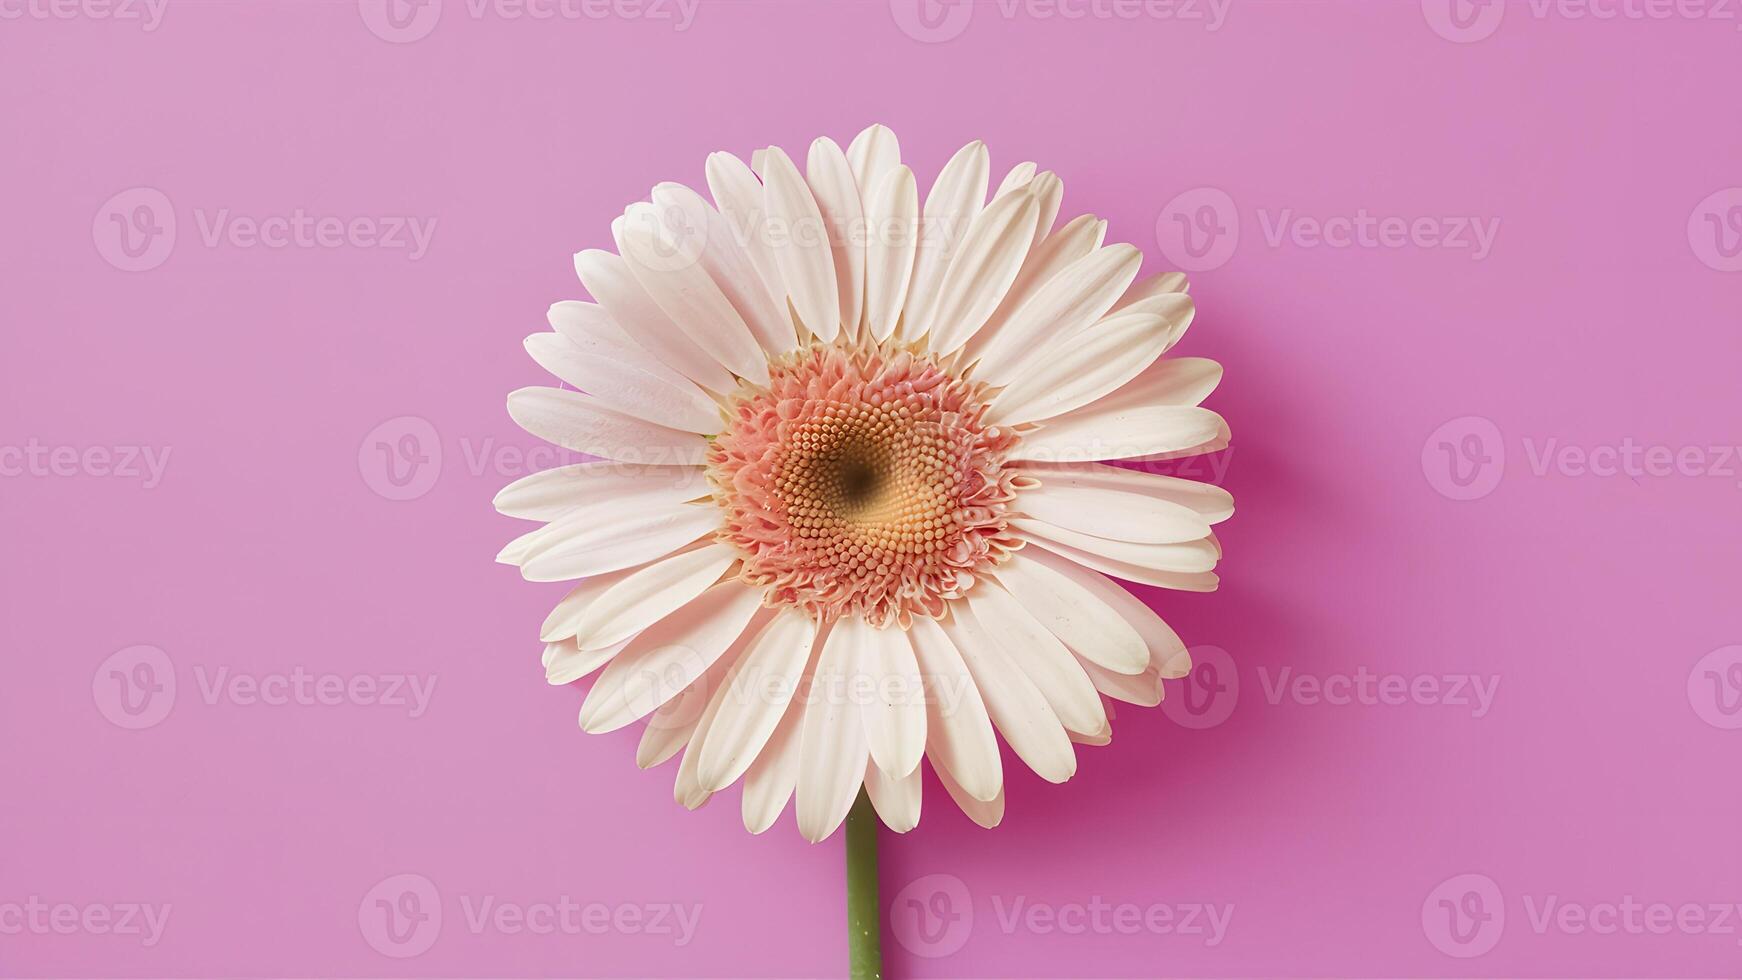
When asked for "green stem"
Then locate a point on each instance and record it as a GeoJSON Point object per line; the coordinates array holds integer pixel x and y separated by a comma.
{"type": "Point", "coordinates": [864, 923]}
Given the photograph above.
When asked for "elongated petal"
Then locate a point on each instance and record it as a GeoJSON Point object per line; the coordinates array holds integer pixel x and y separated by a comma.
{"type": "Point", "coordinates": [833, 752]}
{"type": "Point", "coordinates": [986, 813]}
{"type": "Point", "coordinates": [1079, 295]}
{"type": "Point", "coordinates": [773, 666]}
{"type": "Point", "coordinates": [836, 192]}
{"type": "Point", "coordinates": [1167, 653]}
{"type": "Point", "coordinates": [896, 800]}
{"type": "Point", "coordinates": [584, 424]}
{"type": "Point", "coordinates": [1210, 502]}
{"type": "Point", "coordinates": [1094, 630]}
{"type": "Point", "coordinates": [894, 236]}
{"type": "Point", "coordinates": [668, 657]}
{"type": "Point", "coordinates": [1040, 655]}
{"type": "Point", "coordinates": [1182, 581]}
{"type": "Point", "coordinates": [579, 550]}
{"type": "Point", "coordinates": [872, 154]}
{"type": "Point", "coordinates": [621, 385]}
{"type": "Point", "coordinates": [771, 778]}
{"type": "Point", "coordinates": [549, 494]}
{"type": "Point", "coordinates": [651, 593]}
{"type": "Point", "coordinates": [687, 788]}
{"type": "Point", "coordinates": [801, 249]}
{"type": "Point", "coordinates": [1086, 368]}
{"type": "Point", "coordinates": [725, 259]}
{"type": "Point", "coordinates": [1095, 433]}
{"type": "Point", "coordinates": [670, 728]}
{"type": "Point", "coordinates": [1049, 191]}
{"type": "Point", "coordinates": [1055, 253]}
{"type": "Point", "coordinates": [672, 273]}
{"type": "Point", "coordinates": [954, 200]}
{"type": "Point", "coordinates": [565, 618]}
{"type": "Point", "coordinates": [981, 271]}
{"type": "Point", "coordinates": [959, 732]}
{"type": "Point", "coordinates": [564, 663]}
{"type": "Point", "coordinates": [1184, 556]}
{"type": "Point", "coordinates": [739, 195]}
{"type": "Point", "coordinates": [890, 693]}
{"type": "Point", "coordinates": [1117, 514]}
{"type": "Point", "coordinates": [608, 278]}
{"type": "Point", "coordinates": [1016, 706]}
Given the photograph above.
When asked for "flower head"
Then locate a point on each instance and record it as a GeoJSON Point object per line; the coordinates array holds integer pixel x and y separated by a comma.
{"type": "Point", "coordinates": [853, 504]}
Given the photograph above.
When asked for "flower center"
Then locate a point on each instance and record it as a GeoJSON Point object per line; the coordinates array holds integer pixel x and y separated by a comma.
{"type": "Point", "coordinates": [862, 480]}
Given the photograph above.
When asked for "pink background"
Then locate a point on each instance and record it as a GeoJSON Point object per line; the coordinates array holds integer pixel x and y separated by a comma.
{"type": "Point", "coordinates": [1605, 767]}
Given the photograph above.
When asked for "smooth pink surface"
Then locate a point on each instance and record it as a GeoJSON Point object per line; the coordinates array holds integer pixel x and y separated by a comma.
{"type": "Point", "coordinates": [1605, 769]}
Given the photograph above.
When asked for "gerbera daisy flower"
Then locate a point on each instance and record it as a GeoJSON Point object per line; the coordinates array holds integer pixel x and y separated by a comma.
{"type": "Point", "coordinates": [854, 502]}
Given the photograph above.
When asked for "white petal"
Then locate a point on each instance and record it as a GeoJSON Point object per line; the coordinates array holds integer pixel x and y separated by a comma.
{"type": "Point", "coordinates": [1092, 629]}
{"type": "Point", "coordinates": [894, 235]}
{"type": "Point", "coordinates": [590, 328]}
{"type": "Point", "coordinates": [1160, 284]}
{"type": "Point", "coordinates": [728, 264]}
{"type": "Point", "coordinates": [671, 272]}
{"type": "Point", "coordinates": [895, 800]}
{"type": "Point", "coordinates": [958, 731]}
{"type": "Point", "coordinates": [549, 494]}
{"type": "Point", "coordinates": [1078, 295]}
{"type": "Point", "coordinates": [650, 594]}
{"type": "Point", "coordinates": [832, 752]}
{"type": "Point", "coordinates": [566, 616]}
{"type": "Point", "coordinates": [801, 248]}
{"type": "Point", "coordinates": [514, 552]}
{"type": "Point", "coordinates": [660, 663]}
{"type": "Point", "coordinates": [770, 780]}
{"type": "Point", "coordinates": [981, 271]}
{"type": "Point", "coordinates": [1093, 433]}
{"type": "Point", "coordinates": [873, 153]}
{"type": "Point", "coordinates": [722, 680]}
{"type": "Point", "coordinates": [607, 277]}
{"type": "Point", "coordinates": [739, 196]}
{"type": "Point", "coordinates": [1055, 253]}
{"type": "Point", "coordinates": [1016, 706]}
{"type": "Point", "coordinates": [1211, 502]}
{"type": "Point", "coordinates": [1182, 381]}
{"type": "Point", "coordinates": [1166, 650]}
{"type": "Point", "coordinates": [1018, 178]}
{"type": "Point", "coordinates": [837, 195]}
{"type": "Point", "coordinates": [954, 200]}
{"type": "Point", "coordinates": [1214, 444]}
{"type": "Point", "coordinates": [578, 549]}
{"type": "Point", "coordinates": [670, 728]}
{"type": "Point", "coordinates": [1183, 581]}
{"type": "Point", "coordinates": [1183, 556]}
{"type": "Point", "coordinates": [1117, 514]}
{"type": "Point", "coordinates": [988, 813]}
{"type": "Point", "coordinates": [773, 665]}
{"type": "Point", "coordinates": [1041, 656]}
{"type": "Point", "coordinates": [1086, 367]}
{"type": "Point", "coordinates": [584, 424]}
{"type": "Point", "coordinates": [1142, 688]}
{"type": "Point", "coordinates": [563, 663]}
{"type": "Point", "coordinates": [890, 694]}
{"type": "Point", "coordinates": [621, 385]}
{"type": "Point", "coordinates": [1049, 191]}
